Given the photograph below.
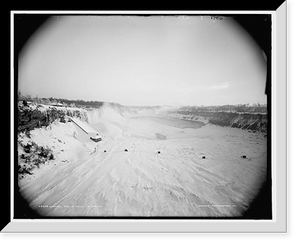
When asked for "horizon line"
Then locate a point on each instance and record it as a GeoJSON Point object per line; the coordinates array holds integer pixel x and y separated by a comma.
{"type": "Point", "coordinates": [164, 105]}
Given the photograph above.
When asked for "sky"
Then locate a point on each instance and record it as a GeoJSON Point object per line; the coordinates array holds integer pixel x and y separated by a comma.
{"type": "Point", "coordinates": [143, 61]}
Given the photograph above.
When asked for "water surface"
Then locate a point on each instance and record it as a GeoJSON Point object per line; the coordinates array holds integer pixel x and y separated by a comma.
{"type": "Point", "coordinates": [179, 123]}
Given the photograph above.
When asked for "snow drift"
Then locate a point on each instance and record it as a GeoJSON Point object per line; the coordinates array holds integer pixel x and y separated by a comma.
{"type": "Point", "coordinates": [162, 173]}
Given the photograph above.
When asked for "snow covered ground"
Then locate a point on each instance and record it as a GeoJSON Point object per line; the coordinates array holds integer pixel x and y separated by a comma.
{"type": "Point", "coordinates": [172, 167]}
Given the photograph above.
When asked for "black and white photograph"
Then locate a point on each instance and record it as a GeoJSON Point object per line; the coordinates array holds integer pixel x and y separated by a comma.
{"type": "Point", "coordinates": [143, 116]}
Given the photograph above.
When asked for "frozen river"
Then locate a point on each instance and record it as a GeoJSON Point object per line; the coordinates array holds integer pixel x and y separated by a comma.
{"type": "Point", "coordinates": [171, 168]}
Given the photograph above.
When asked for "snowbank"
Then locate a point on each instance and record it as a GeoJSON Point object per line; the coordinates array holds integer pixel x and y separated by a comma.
{"type": "Point", "coordinates": [162, 173]}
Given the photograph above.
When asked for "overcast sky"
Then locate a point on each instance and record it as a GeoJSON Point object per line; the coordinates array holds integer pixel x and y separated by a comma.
{"type": "Point", "coordinates": [135, 60]}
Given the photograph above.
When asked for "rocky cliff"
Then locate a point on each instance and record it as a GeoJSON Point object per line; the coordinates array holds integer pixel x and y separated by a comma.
{"type": "Point", "coordinates": [256, 122]}
{"type": "Point", "coordinates": [31, 116]}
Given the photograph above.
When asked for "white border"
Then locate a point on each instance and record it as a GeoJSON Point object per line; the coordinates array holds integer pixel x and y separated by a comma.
{"type": "Point", "coordinates": [273, 117]}
{"type": "Point", "coordinates": [277, 224]}
{"type": "Point", "coordinates": [279, 113]}
{"type": "Point", "coordinates": [12, 138]}
{"type": "Point", "coordinates": [139, 12]}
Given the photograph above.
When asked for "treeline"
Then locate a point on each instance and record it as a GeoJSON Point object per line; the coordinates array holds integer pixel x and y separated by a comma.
{"type": "Point", "coordinates": [61, 101]}
{"type": "Point", "coordinates": [240, 108]}
{"type": "Point", "coordinates": [80, 103]}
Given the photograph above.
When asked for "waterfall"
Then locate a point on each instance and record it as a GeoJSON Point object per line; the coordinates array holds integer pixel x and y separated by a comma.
{"type": "Point", "coordinates": [93, 116]}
